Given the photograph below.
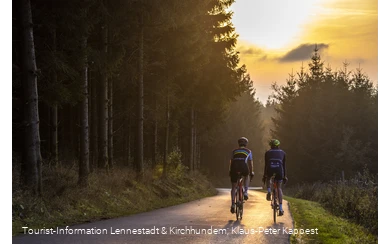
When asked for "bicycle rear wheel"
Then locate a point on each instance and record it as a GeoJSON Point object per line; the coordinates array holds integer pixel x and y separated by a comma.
{"type": "Point", "coordinates": [275, 209]}
{"type": "Point", "coordinates": [241, 209]}
{"type": "Point", "coordinates": [242, 203]}
{"type": "Point", "coordinates": [237, 205]}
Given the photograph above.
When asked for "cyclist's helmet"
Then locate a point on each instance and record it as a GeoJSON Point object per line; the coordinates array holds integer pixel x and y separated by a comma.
{"type": "Point", "coordinates": [243, 141]}
{"type": "Point", "coordinates": [274, 143]}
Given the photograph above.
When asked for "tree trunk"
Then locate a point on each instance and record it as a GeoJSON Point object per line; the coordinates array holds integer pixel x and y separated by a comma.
{"type": "Point", "coordinates": [76, 132]}
{"type": "Point", "coordinates": [31, 162]}
{"type": "Point", "coordinates": [191, 156]}
{"type": "Point", "coordinates": [140, 124]}
{"type": "Point", "coordinates": [73, 132]}
{"type": "Point", "coordinates": [84, 127]}
{"type": "Point", "coordinates": [155, 135]}
{"type": "Point", "coordinates": [184, 134]}
{"type": "Point", "coordinates": [110, 127]}
{"type": "Point", "coordinates": [195, 142]}
{"type": "Point", "coordinates": [166, 146]}
{"type": "Point", "coordinates": [103, 120]}
{"type": "Point", "coordinates": [198, 156]}
{"type": "Point", "coordinates": [44, 116]}
{"type": "Point", "coordinates": [90, 101]}
{"type": "Point", "coordinates": [110, 114]}
{"type": "Point", "coordinates": [54, 133]}
{"type": "Point", "coordinates": [94, 123]}
{"type": "Point", "coordinates": [54, 112]}
{"type": "Point", "coordinates": [128, 155]}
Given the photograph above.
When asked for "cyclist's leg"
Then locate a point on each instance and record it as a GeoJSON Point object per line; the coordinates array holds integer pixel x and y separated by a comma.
{"type": "Point", "coordinates": [268, 185]}
{"type": "Point", "coordinates": [280, 192]}
{"type": "Point", "coordinates": [246, 182]}
{"type": "Point", "coordinates": [233, 191]}
{"type": "Point", "coordinates": [241, 196]}
{"type": "Point", "coordinates": [233, 180]}
{"type": "Point", "coordinates": [280, 196]}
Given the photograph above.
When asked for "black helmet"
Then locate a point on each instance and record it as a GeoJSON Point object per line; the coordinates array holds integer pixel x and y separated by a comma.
{"type": "Point", "coordinates": [243, 141]}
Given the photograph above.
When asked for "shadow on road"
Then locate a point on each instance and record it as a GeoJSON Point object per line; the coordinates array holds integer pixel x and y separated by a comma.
{"type": "Point", "coordinates": [233, 223]}
{"type": "Point", "coordinates": [277, 235]}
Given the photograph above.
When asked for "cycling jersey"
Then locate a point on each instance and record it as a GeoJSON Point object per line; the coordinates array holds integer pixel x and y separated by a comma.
{"type": "Point", "coordinates": [242, 153]}
{"type": "Point", "coordinates": [239, 162]}
{"type": "Point", "coordinates": [275, 163]}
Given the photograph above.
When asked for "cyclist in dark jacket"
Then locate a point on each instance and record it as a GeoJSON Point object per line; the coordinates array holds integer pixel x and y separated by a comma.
{"type": "Point", "coordinates": [240, 161]}
{"type": "Point", "coordinates": [275, 163]}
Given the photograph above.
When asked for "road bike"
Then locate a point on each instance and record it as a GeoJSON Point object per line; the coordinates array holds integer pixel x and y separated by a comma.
{"type": "Point", "coordinates": [239, 202]}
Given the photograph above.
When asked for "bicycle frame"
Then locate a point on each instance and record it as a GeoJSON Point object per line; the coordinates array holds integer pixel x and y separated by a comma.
{"type": "Point", "coordinates": [274, 197]}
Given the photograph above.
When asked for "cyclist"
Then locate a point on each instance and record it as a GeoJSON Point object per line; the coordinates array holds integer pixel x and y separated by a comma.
{"type": "Point", "coordinates": [241, 161]}
{"type": "Point", "coordinates": [275, 163]}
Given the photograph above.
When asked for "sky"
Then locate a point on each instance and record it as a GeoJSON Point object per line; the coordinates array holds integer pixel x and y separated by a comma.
{"type": "Point", "coordinates": [276, 38]}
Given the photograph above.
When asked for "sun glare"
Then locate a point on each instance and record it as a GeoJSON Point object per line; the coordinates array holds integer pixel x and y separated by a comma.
{"type": "Point", "coordinates": [272, 24]}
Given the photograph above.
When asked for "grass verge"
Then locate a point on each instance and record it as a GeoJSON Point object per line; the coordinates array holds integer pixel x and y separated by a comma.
{"type": "Point", "coordinates": [331, 229]}
{"type": "Point", "coordinates": [107, 196]}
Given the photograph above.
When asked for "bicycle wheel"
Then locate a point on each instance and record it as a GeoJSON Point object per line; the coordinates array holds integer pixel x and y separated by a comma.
{"type": "Point", "coordinates": [275, 209]}
{"type": "Point", "coordinates": [242, 203]}
{"type": "Point", "coordinates": [237, 205]}
{"type": "Point", "coordinates": [241, 209]}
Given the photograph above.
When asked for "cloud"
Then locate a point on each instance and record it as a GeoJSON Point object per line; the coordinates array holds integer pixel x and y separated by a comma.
{"type": "Point", "coordinates": [302, 52]}
{"type": "Point", "coordinates": [263, 58]}
{"type": "Point", "coordinates": [252, 52]}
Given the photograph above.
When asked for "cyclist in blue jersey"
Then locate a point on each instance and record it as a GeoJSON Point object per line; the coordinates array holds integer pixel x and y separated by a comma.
{"type": "Point", "coordinates": [275, 163]}
{"type": "Point", "coordinates": [240, 161]}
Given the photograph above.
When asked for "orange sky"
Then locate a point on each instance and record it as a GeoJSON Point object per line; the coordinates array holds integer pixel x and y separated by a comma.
{"type": "Point", "coordinates": [276, 37]}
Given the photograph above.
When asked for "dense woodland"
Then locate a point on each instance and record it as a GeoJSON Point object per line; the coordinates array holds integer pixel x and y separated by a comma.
{"type": "Point", "coordinates": [327, 121]}
{"type": "Point", "coordinates": [119, 83]}
{"type": "Point", "coordinates": [101, 84]}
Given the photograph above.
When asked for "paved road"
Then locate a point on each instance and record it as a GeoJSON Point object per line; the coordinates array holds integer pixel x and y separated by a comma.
{"type": "Point", "coordinates": [181, 223]}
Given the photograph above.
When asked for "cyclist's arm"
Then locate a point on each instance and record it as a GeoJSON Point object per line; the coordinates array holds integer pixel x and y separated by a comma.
{"type": "Point", "coordinates": [284, 166]}
{"type": "Point", "coordinates": [250, 163]}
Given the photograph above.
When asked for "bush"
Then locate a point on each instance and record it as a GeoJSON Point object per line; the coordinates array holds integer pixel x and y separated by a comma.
{"type": "Point", "coordinates": [355, 199]}
{"type": "Point", "coordinates": [175, 168]}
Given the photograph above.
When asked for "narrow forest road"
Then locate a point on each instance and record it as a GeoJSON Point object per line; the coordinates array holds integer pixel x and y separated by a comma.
{"type": "Point", "coordinates": [180, 224]}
